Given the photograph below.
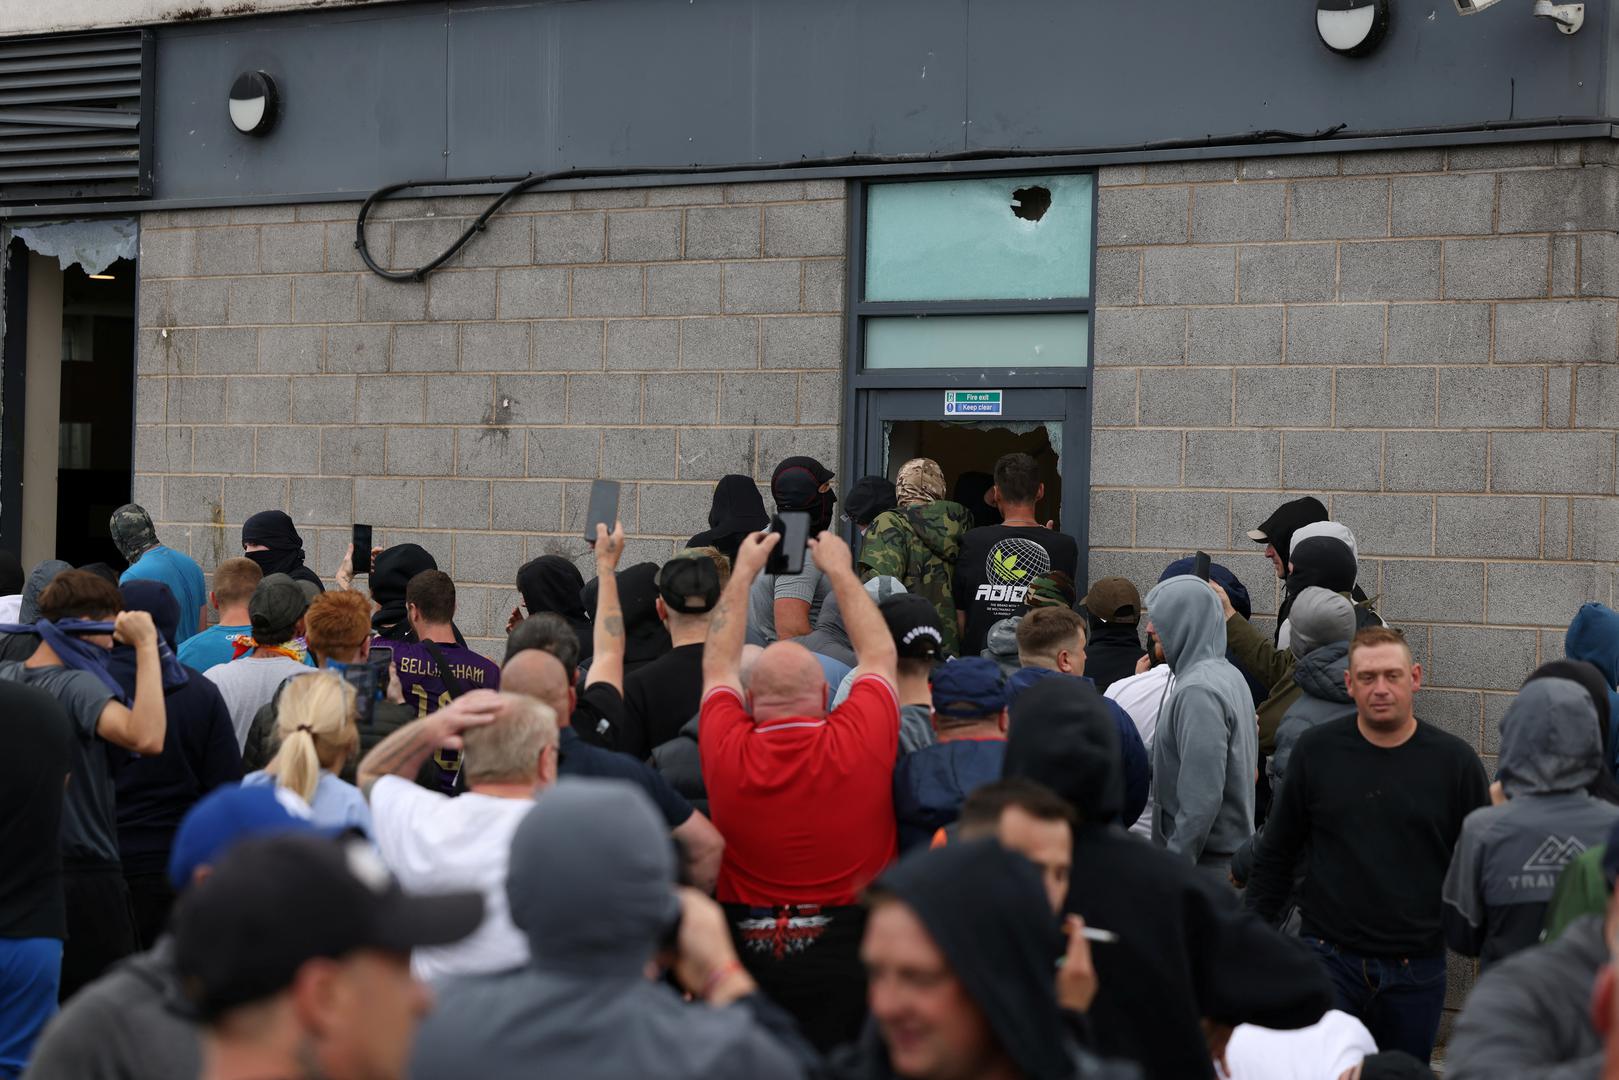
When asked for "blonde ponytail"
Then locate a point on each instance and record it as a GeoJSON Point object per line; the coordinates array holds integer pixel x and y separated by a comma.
{"type": "Point", "coordinates": [315, 725]}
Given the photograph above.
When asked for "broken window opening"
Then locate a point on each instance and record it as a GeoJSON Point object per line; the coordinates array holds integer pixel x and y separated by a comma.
{"type": "Point", "coordinates": [1031, 203]}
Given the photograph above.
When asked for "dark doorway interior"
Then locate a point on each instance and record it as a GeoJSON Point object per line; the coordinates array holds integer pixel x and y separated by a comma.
{"type": "Point", "coordinates": [96, 444]}
{"type": "Point", "coordinates": [974, 446]}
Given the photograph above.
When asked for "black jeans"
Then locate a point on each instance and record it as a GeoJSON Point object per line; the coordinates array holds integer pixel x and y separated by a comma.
{"type": "Point", "coordinates": [1399, 999]}
{"type": "Point", "coordinates": [100, 924]}
{"type": "Point", "coordinates": [152, 898]}
{"type": "Point", "coordinates": [806, 958]}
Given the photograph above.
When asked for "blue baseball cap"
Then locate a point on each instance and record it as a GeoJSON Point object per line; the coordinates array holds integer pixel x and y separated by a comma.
{"type": "Point", "coordinates": [968, 688]}
{"type": "Point", "coordinates": [227, 815]}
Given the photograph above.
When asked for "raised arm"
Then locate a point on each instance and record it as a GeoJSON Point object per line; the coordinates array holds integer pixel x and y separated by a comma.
{"type": "Point", "coordinates": [405, 751]}
{"type": "Point", "coordinates": [142, 725]}
{"type": "Point", "coordinates": [607, 621]}
{"type": "Point", "coordinates": [868, 632]}
{"type": "Point", "coordinates": [727, 627]}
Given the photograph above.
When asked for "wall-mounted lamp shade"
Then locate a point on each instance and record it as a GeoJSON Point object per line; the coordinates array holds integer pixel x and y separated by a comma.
{"type": "Point", "coordinates": [252, 103]}
{"type": "Point", "coordinates": [1352, 27]}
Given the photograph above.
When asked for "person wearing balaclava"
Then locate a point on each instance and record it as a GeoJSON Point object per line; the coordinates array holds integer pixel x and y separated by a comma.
{"type": "Point", "coordinates": [973, 920]}
{"type": "Point", "coordinates": [783, 606]}
{"type": "Point", "coordinates": [553, 583]}
{"type": "Point", "coordinates": [136, 539]}
{"type": "Point", "coordinates": [591, 882]}
{"type": "Point", "coordinates": [391, 571]}
{"type": "Point", "coordinates": [270, 539]}
{"type": "Point", "coordinates": [737, 510]}
{"type": "Point", "coordinates": [1186, 956]}
{"type": "Point", "coordinates": [919, 541]}
{"type": "Point", "coordinates": [1305, 568]}
{"type": "Point", "coordinates": [645, 636]}
{"type": "Point", "coordinates": [155, 791]}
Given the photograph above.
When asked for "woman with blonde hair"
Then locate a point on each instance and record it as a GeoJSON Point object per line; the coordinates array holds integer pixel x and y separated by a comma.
{"type": "Point", "coordinates": [317, 732]}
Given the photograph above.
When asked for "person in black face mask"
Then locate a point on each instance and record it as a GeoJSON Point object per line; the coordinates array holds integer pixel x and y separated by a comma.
{"type": "Point", "coordinates": [786, 605]}
{"type": "Point", "coordinates": [269, 539]}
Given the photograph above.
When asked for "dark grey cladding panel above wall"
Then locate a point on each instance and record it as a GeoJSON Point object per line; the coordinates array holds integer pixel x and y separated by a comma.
{"type": "Point", "coordinates": [385, 94]}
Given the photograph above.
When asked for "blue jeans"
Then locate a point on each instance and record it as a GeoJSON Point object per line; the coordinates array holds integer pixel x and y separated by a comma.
{"type": "Point", "coordinates": [1399, 999]}
{"type": "Point", "coordinates": [30, 971]}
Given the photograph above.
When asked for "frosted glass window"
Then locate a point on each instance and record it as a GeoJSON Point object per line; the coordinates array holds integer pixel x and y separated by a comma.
{"type": "Point", "coordinates": [1005, 238]}
{"type": "Point", "coordinates": [976, 341]}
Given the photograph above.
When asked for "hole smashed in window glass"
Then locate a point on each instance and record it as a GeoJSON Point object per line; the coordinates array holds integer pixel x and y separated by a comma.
{"type": "Point", "coordinates": [1031, 203]}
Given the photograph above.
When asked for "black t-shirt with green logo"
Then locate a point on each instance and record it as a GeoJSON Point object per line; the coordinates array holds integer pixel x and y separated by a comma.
{"type": "Point", "coordinates": [994, 569]}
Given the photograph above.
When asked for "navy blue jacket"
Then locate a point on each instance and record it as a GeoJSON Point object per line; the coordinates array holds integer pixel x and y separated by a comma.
{"type": "Point", "coordinates": [930, 784]}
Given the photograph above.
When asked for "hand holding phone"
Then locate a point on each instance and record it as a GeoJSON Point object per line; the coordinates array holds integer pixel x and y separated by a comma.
{"type": "Point", "coordinates": [788, 556]}
{"type": "Point", "coordinates": [603, 508]}
{"type": "Point", "coordinates": [1201, 564]}
{"type": "Point", "coordinates": [362, 550]}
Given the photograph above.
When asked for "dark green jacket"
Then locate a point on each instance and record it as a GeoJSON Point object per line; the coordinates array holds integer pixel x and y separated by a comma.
{"type": "Point", "coordinates": [919, 545]}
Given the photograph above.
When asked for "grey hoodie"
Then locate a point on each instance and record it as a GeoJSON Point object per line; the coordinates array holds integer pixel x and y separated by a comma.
{"type": "Point", "coordinates": [123, 1026]}
{"type": "Point", "coordinates": [591, 882]}
{"type": "Point", "coordinates": [1206, 749]}
{"type": "Point", "coordinates": [1509, 857]}
{"type": "Point", "coordinates": [1530, 1017]}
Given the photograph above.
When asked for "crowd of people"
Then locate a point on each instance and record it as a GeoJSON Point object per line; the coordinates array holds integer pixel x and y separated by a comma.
{"type": "Point", "coordinates": [931, 809]}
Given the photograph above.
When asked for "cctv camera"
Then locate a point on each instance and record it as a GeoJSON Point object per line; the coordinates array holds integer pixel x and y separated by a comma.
{"type": "Point", "coordinates": [1473, 7]}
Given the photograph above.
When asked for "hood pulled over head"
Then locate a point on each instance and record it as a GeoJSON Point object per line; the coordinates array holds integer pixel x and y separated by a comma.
{"type": "Point", "coordinates": [1320, 617]}
{"type": "Point", "coordinates": [1549, 739]}
{"type": "Point", "coordinates": [985, 909]}
{"type": "Point", "coordinates": [1062, 735]}
{"type": "Point", "coordinates": [1593, 636]}
{"type": "Point", "coordinates": [39, 577]}
{"type": "Point", "coordinates": [1185, 614]}
{"type": "Point", "coordinates": [592, 879]}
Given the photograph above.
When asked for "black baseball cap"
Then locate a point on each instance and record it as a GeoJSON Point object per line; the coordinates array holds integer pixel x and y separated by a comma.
{"type": "Point", "coordinates": [914, 623]}
{"type": "Point", "coordinates": [275, 903]}
{"type": "Point", "coordinates": [796, 483]}
{"type": "Point", "coordinates": [689, 583]}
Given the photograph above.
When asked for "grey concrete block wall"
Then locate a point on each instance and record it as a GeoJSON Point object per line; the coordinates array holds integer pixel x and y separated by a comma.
{"type": "Point", "coordinates": [660, 337]}
{"type": "Point", "coordinates": [1426, 341]}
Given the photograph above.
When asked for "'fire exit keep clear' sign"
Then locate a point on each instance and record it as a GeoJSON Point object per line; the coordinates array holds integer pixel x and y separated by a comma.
{"type": "Point", "coordinates": [972, 402]}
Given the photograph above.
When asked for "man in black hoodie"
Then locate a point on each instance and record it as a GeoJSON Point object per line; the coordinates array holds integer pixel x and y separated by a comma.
{"type": "Point", "coordinates": [1186, 956]}
{"type": "Point", "coordinates": [1113, 644]}
{"type": "Point", "coordinates": [960, 948]}
{"type": "Point", "coordinates": [1276, 532]}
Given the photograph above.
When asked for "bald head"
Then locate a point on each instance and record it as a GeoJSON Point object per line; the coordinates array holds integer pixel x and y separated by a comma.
{"type": "Point", "coordinates": [541, 676]}
{"type": "Point", "coordinates": [787, 680]}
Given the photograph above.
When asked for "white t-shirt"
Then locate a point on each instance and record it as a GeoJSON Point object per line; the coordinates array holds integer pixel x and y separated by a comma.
{"type": "Point", "coordinates": [248, 683]}
{"type": "Point", "coordinates": [434, 843]}
{"type": "Point", "coordinates": [1323, 1051]}
{"type": "Point", "coordinates": [1142, 696]}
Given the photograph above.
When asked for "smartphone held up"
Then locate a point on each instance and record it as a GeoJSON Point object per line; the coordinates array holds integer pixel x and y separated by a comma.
{"type": "Point", "coordinates": [788, 556]}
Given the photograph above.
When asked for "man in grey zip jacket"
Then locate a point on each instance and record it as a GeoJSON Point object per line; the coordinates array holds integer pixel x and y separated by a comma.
{"type": "Point", "coordinates": [1509, 857]}
{"type": "Point", "coordinates": [1206, 749]}
{"type": "Point", "coordinates": [1529, 1017]}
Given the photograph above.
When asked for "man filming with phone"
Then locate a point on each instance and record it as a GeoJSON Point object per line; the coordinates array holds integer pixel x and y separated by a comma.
{"type": "Point", "coordinates": [803, 795]}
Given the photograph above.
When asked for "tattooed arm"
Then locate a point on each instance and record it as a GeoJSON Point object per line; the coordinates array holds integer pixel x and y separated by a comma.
{"type": "Point", "coordinates": [727, 627]}
{"type": "Point", "coordinates": [404, 752]}
{"type": "Point", "coordinates": [607, 637]}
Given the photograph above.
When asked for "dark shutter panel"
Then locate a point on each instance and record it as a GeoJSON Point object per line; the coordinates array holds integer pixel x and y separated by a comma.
{"type": "Point", "coordinates": [75, 117]}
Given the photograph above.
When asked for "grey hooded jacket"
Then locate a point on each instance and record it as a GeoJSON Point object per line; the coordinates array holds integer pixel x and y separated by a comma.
{"type": "Point", "coordinates": [591, 882]}
{"type": "Point", "coordinates": [1206, 748]}
{"type": "Point", "coordinates": [1508, 858]}
{"type": "Point", "coordinates": [22, 646]}
{"type": "Point", "coordinates": [1323, 696]}
{"type": "Point", "coordinates": [1529, 1018]}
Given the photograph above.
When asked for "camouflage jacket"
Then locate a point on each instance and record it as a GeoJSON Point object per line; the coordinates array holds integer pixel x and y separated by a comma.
{"type": "Point", "coordinates": [919, 545]}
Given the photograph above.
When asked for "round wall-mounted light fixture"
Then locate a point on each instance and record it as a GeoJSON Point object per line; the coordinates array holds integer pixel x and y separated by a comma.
{"type": "Point", "coordinates": [1351, 27]}
{"type": "Point", "coordinates": [253, 103]}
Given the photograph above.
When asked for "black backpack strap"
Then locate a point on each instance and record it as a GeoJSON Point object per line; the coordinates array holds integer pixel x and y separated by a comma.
{"type": "Point", "coordinates": [451, 683]}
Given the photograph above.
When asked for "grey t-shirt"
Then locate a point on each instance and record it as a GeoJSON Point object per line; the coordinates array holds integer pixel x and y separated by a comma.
{"type": "Point", "coordinates": [89, 810]}
{"type": "Point", "coordinates": [248, 683]}
{"type": "Point", "coordinates": [811, 586]}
